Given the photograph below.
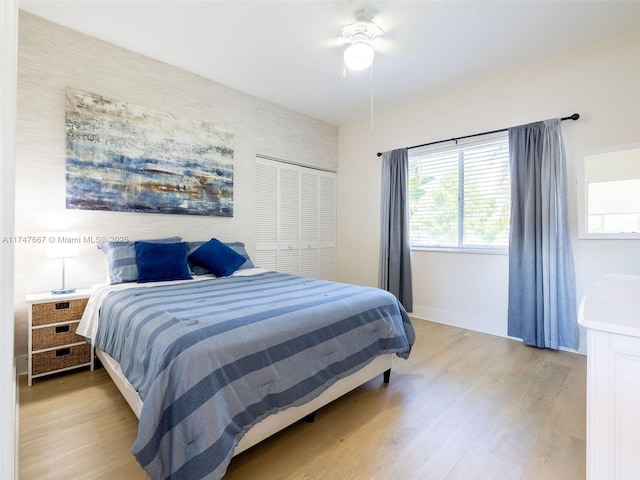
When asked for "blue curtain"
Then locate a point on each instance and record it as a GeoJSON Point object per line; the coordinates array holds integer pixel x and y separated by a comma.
{"type": "Point", "coordinates": [542, 293]}
{"type": "Point", "coordinates": [395, 251]}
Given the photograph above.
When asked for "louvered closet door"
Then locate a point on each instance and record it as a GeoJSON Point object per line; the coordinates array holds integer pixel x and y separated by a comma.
{"type": "Point", "coordinates": [289, 221]}
{"type": "Point", "coordinates": [309, 224]}
{"type": "Point", "coordinates": [266, 255]}
{"type": "Point", "coordinates": [295, 225]}
{"type": "Point", "coordinates": [327, 226]}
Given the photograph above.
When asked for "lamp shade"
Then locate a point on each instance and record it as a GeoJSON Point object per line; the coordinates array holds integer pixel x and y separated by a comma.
{"type": "Point", "coordinates": [62, 245]}
{"type": "Point", "coordinates": [358, 56]}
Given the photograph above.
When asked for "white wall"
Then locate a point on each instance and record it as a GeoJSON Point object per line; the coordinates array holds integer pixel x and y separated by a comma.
{"type": "Point", "coordinates": [8, 386]}
{"type": "Point", "coordinates": [600, 82]}
{"type": "Point", "coordinates": [52, 58]}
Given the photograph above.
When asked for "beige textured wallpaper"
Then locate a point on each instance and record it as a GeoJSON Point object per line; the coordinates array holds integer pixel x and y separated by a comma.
{"type": "Point", "coordinates": [53, 58]}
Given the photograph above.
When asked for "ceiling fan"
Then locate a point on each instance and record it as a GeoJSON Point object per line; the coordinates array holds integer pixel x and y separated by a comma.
{"type": "Point", "coordinates": [360, 37]}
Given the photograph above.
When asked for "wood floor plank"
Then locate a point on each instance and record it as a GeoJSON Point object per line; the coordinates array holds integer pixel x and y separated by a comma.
{"type": "Point", "coordinates": [515, 428]}
{"type": "Point", "coordinates": [476, 460]}
{"type": "Point", "coordinates": [76, 426]}
{"type": "Point", "coordinates": [465, 406]}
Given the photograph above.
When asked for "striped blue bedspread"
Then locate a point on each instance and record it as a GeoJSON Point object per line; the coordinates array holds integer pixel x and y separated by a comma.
{"type": "Point", "coordinates": [211, 358]}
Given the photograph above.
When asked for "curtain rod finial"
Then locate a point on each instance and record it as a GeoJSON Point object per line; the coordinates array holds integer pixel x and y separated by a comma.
{"type": "Point", "coordinates": [378, 154]}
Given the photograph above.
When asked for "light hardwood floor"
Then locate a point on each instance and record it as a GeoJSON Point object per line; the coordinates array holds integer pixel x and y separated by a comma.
{"type": "Point", "coordinates": [465, 406]}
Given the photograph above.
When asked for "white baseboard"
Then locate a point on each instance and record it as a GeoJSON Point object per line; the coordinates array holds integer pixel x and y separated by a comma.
{"type": "Point", "coordinates": [22, 364]}
{"type": "Point", "coordinates": [477, 323]}
{"type": "Point", "coordinates": [471, 322]}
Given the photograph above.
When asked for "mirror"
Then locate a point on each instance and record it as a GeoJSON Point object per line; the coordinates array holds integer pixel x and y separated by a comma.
{"type": "Point", "coordinates": [609, 193]}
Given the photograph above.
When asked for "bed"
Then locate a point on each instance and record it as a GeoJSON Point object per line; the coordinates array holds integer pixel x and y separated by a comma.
{"type": "Point", "coordinates": [212, 366]}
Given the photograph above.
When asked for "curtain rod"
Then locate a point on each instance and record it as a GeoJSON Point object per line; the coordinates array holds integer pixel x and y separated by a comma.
{"type": "Point", "coordinates": [575, 116]}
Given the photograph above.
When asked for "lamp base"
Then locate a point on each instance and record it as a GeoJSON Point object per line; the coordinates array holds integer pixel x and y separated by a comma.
{"type": "Point", "coordinates": [60, 291]}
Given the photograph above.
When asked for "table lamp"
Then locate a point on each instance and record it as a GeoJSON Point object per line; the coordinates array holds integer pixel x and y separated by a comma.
{"type": "Point", "coordinates": [62, 245]}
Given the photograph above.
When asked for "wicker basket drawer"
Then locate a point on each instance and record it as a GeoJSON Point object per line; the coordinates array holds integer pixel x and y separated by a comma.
{"type": "Point", "coordinates": [54, 312]}
{"type": "Point", "coordinates": [55, 336]}
{"type": "Point", "coordinates": [51, 360]}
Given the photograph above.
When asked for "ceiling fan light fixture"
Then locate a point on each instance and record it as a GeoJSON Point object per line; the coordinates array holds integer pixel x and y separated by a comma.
{"type": "Point", "coordinates": [360, 37]}
{"type": "Point", "coordinates": [358, 56]}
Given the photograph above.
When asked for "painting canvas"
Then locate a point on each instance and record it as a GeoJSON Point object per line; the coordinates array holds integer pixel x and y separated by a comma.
{"type": "Point", "coordinates": [124, 157]}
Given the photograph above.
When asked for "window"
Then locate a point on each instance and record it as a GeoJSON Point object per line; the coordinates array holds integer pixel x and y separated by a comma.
{"type": "Point", "coordinates": [459, 195]}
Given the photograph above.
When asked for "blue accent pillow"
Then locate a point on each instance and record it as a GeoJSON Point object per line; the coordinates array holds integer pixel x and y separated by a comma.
{"type": "Point", "coordinates": [218, 258]}
{"type": "Point", "coordinates": [237, 247]}
{"type": "Point", "coordinates": [159, 262]}
{"type": "Point", "coordinates": [121, 258]}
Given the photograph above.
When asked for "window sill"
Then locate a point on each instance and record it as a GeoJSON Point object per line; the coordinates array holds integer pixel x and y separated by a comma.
{"type": "Point", "coordinates": [480, 250]}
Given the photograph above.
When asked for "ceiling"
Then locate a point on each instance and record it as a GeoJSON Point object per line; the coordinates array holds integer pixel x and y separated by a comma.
{"type": "Point", "coordinates": [285, 52]}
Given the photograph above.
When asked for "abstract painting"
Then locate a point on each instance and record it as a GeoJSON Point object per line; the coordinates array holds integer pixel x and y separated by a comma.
{"type": "Point", "coordinates": [128, 158]}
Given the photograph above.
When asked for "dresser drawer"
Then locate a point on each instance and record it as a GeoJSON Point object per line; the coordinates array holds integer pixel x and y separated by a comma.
{"type": "Point", "coordinates": [65, 357]}
{"type": "Point", "coordinates": [55, 336]}
{"type": "Point", "coordinates": [54, 312]}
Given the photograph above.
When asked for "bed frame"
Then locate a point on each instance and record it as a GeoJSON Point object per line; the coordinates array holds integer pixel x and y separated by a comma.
{"type": "Point", "coordinates": [381, 365]}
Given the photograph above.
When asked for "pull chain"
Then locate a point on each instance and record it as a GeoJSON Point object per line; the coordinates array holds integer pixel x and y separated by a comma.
{"type": "Point", "coordinates": [371, 99]}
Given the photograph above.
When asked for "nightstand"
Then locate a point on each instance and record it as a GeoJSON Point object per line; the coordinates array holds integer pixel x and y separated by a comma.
{"type": "Point", "coordinates": [53, 344]}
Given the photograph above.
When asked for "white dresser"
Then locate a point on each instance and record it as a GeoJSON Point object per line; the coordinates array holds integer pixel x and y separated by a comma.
{"type": "Point", "coordinates": [610, 311]}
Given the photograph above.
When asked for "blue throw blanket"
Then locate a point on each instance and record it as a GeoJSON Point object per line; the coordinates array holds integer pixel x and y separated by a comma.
{"type": "Point", "coordinates": [212, 358]}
